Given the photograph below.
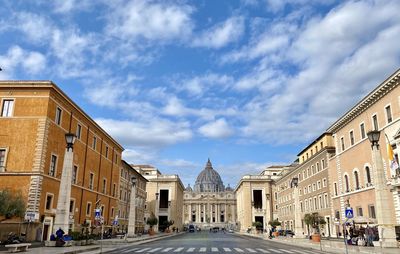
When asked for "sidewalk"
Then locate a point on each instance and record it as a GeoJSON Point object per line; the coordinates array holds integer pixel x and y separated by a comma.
{"type": "Point", "coordinates": [328, 246]}
{"type": "Point", "coordinates": [105, 245]}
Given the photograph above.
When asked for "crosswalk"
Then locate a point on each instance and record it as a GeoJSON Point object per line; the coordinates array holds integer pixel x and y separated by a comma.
{"type": "Point", "coordinates": [229, 250]}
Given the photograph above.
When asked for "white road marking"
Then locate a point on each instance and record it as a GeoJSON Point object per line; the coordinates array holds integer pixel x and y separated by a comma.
{"type": "Point", "coordinates": [238, 250]}
{"type": "Point", "coordinates": [299, 251]}
{"type": "Point", "coordinates": [213, 249]}
{"type": "Point", "coordinates": [250, 250]}
{"type": "Point", "coordinates": [167, 249]}
{"type": "Point", "coordinates": [179, 249]}
{"type": "Point", "coordinates": [203, 249]}
{"type": "Point", "coordinates": [276, 251]}
{"type": "Point", "coordinates": [154, 250]}
{"type": "Point", "coordinates": [287, 251]}
{"type": "Point", "coordinates": [190, 250]}
{"type": "Point", "coordinates": [227, 250]}
{"type": "Point", "coordinates": [263, 251]}
{"type": "Point", "coordinates": [142, 250]}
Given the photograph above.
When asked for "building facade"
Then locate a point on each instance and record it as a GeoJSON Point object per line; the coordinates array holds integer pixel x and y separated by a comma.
{"type": "Point", "coordinates": [209, 204]}
{"type": "Point", "coordinates": [35, 116]}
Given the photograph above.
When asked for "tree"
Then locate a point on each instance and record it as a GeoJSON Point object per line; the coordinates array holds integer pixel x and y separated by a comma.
{"type": "Point", "coordinates": [274, 223]}
{"type": "Point", "coordinates": [11, 204]}
{"type": "Point", "coordinates": [167, 224]}
{"type": "Point", "coordinates": [152, 220]}
{"type": "Point", "coordinates": [257, 224]}
{"type": "Point", "coordinates": [314, 220]}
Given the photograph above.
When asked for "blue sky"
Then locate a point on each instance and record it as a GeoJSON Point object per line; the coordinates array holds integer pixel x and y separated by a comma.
{"type": "Point", "coordinates": [247, 83]}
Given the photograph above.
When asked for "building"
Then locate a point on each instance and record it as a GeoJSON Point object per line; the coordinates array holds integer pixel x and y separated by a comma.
{"type": "Point", "coordinates": [125, 191]}
{"type": "Point", "coordinates": [209, 204]}
{"type": "Point", "coordinates": [304, 189]}
{"type": "Point", "coordinates": [353, 174]}
{"type": "Point", "coordinates": [164, 197]}
{"type": "Point", "coordinates": [35, 116]}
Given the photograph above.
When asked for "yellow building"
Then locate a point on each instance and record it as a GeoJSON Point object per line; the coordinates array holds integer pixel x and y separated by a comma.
{"type": "Point", "coordinates": [35, 116]}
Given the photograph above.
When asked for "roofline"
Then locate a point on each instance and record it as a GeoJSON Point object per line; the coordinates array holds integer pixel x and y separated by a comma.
{"type": "Point", "coordinates": [385, 87]}
{"type": "Point", "coordinates": [315, 141]}
{"type": "Point", "coordinates": [268, 179]}
{"type": "Point", "coordinates": [126, 163]}
{"type": "Point", "coordinates": [50, 84]}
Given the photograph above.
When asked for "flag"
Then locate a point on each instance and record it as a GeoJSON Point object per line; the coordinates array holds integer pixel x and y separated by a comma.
{"type": "Point", "coordinates": [393, 162]}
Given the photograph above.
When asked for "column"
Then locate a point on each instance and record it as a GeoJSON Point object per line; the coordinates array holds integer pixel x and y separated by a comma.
{"type": "Point", "coordinates": [156, 211]}
{"type": "Point", "coordinates": [298, 230]}
{"type": "Point", "coordinates": [132, 212]}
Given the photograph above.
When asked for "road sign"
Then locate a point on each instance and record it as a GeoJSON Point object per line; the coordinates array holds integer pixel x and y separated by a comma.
{"type": "Point", "coordinates": [31, 216]}
{"type": "Point", "coordinates": [349, 213]}
{"type": "Point", "coordinates": [97, 213]}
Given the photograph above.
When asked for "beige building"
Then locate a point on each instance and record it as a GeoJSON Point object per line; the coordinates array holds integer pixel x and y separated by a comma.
{"type": "Point", "coordinates": [35, 116]}
{"type": "Point", "coordinates": [164, 196]}
{"type": "Point", "coordinates": [125, 190]}
{"type": "Point", "coordinates": [311, 193]}
{"type": "Point", "coordinates": [352, 171]}
{"type": "Point", "coordinates": [209, 204]}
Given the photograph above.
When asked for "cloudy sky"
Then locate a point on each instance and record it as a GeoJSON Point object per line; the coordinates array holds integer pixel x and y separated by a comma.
{"type": "Point", "coordinates": [245, 83]}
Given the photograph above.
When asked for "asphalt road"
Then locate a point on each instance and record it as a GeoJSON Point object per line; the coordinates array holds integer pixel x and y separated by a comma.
{"type": "Point", "coordinates": [212, 243]}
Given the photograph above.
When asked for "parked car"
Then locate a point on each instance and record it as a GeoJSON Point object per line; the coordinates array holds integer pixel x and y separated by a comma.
{"type": "Point", "coordinates": [286, 232]}
{"type": "Point", "coordinates": [192, 229]}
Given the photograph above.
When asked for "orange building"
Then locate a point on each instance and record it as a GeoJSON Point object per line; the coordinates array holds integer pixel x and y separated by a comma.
{"type": "Point", "coordinates": [35, 116]}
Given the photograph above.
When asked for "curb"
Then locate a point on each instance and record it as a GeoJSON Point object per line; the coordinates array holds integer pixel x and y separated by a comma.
{"type": "Point", "coordinates": [82, 250]}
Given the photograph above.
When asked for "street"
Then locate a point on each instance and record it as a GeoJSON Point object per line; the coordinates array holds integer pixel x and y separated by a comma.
{"type": "Point", "coordinates": [207, 242]}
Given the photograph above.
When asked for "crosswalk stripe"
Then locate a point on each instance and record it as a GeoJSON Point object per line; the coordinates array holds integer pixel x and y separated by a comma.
{"type": "Point", "coordinates": [263, 251]}
{"type": "Point", "coordinates": [142, 250]}
{"type": "Point", "coordinates": [238, 250]}
{"type": "Point", "coordinates": [154, 250]}
{"type": "Point", "coordinates": [213, 249]}
{"type": "Point", "coordinates": [128, 250]}
{"type": "Point", "coordinates": [203, 249]}
{"type": "Point", "coordinates": [227, 250]}
{"type": "Point", "coordinates": [250, 250]}
{"type": "Point", "coordinates": [179, 249]}
{"type": "Point", "coordinates": [190, 250]}
{"type": "Point", "coordinates": [167, 249]}
{"type": "Point", "coordinates": [276, 251]}
{"type": "Point", "coordinates": [287, 251]}
{"type": "Point", "coordinates": [299, 251]}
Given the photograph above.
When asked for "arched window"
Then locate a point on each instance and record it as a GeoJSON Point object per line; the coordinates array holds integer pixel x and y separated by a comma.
{"type": "Point", "coordinates": [368, 174]}
{"type": "Point", "coordinates": [356, 180]}
{"type": "Point", "coordinates": [346, 180]}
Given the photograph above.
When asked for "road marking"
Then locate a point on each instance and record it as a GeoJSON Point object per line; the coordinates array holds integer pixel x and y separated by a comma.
{"type": "Point", "coordinates": [190, 250]}
{"type": "Point", "coordinates": [213, 249]}
{"type": "Point", "coordinates": [299, 251]}
{"type": "Point", "coordinates": [167, 249]}
{"type": "Point", "coordinates": [227, 250]}
{"type": "Point", "coordinates": [263, 251]}
{"type": "Point", "coordinates": [179, 249]}
{"type": "Point", "coordinates": [250, 250]}
{"type": "Point", "coordinates": [276, 251]}
{"type": "Point", "coordinates": [238, 250]}
{"type": "Point", "coordinates": [128, 250]}
{"type": "Point", "coordinates": [142, 250]}
{"type": "Point", "coordinates": [203, 249]}
{"type": "Point", "coordinates": [154, 250]}
{"type": "Point", "coordinates": [287, 251]}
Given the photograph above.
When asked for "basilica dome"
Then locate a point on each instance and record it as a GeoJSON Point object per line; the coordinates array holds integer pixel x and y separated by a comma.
{"type": "Point", "coordinates": [209, 180]}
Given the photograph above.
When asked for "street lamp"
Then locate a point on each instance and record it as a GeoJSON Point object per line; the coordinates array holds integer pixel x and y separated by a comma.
{"type": "Point", "coordinates": [132, 209]}
{"type": "Point", "coordinates": [156, 210]}
{"type": "Point", "coordinates": [64, 193]}
{"type": "Point", "coordinates": [386, 230]}
{"type": "Point", "coordinates": [298, 230]}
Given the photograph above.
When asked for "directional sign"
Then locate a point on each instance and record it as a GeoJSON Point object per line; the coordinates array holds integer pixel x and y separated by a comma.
{"type": "Point", "coordinates": [349, 213]}
{"type": "Point", "coordinates": [97, 214]}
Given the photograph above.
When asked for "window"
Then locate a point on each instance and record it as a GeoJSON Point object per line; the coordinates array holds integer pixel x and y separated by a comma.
{"type": "Point", "coordinates": [321, 205]}
{"type": "Point", "coordinates": [2, 159]}
{"type": "Point", "coordinates": [314, 187]}
{"type": "Point", "coordinates": [351, 138]}
{"type": "Point", "coordinates": [356, 181]}
{"type": "Point", "coordinates": [359, 211]}
{"type": "Point", "coordinates": [112, 212]}
{"type": "Point", "coordinates": [322, 144]}
{"type": "Point", "coordinates": [318, 168]}
{"type": "Point", "coordinates": [313, 169]}
{"type": "Point", "coordinates": [88, 208]}
{"type": "Point", "coordinates": [337, 215]}
{"type": "Point", "coordinates": [326, 200]}
{"type": "Point", "coordinates": [7, 108]}
{"type": "Point", "coordinates": [91, 180]}
{"type": "Point", "coordinates": [114, 189]}
{"type": "Point", "coordinates": [71, 206]}
{"type": "Point", "coordinates": [319, 185]}
{"type": "Point", "coordinates": [53, 165]}
{"type": "Point", "coordinates": [78, 131]}
{"type": "Point", "coordinates": [104, 189]}
{"type": "Point", "coordinates": [324, 182]}
{"type": "Point", "coordinates": [94, 143]}
{"type": "Point", "coordinates": [375, 122]}
{"type": "Point", "coordinates": [368, 175]}
{"type": "Point", "coordinates": [346, 180]}
{"type": "Point", "coordinates": [388, 114]}
{"type": "Point", "coordinates": [58, 116]}
{"type": "Point", "coordinates": [371, 211]}
{"type": "Point", "coordinates": [74, 174]}
{"type": "Point", "coordinates": [106, 151]}
{"type": "Point", "coordinates": [323, 163]}
{"type": "Point", "coordinates": [335, 188]}
{"type": "Point", "coordinates": [49, 202]}
{"type": "Point", "coordinates": [342, 143]}
{"type": "Point", "coordinates": [362, 130]}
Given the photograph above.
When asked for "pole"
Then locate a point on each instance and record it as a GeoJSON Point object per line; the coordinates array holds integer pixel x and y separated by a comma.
{"type": "Point", "coordinates": [102, 237]}
{"type": "Point", "coordinates": [345, 236]}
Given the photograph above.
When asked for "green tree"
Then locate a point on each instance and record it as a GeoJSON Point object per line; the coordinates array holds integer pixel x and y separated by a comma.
{"type": "Point", "coordinates": [11, 204]}
{"type": "Point", "coordinates": [315, 221]}
{"type": "Point", "coordinates": [257, 224]}
{"type": "Point", "coordinates": [152, 220]}
{"type": "Point", "coordinates": [274, 223]}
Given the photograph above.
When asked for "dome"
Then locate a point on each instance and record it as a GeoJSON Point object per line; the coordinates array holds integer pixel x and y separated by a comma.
{"type": "Point", "coordinates": [229, 188]}
{"type": "Point", "coordinates": [209, 180]}
{"type": "Point", "coordinates": [188, 188]}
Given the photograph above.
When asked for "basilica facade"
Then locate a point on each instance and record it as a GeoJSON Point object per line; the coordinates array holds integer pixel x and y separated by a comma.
{"type": "Point", "coordinates": [209, 203]}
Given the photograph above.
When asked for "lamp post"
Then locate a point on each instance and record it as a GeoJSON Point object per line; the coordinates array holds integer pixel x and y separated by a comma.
{"type": "Point", "coordinates": [156, 210]}
{"type": "Point", "coordinates": [132, 209]}
{"type": "Point", "coordinates": [387, 235]}
{"type": "Point", "coordinates": [64, 193]}
{"type": "Point", "coordinates": [298, 230]}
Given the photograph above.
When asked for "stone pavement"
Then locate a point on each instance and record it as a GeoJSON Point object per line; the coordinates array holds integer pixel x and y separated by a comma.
{"type": "Point", "coordinates": [100, 246]}
{"type": "Point", "coordinates": [328, 246]}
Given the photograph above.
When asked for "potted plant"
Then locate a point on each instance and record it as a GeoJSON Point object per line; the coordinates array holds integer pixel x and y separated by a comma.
{"type": "Point", "coordinates": [167, 224]}
{"type": "Point", "coordinates": [274, 224]}
{"type": "Point", "coordinates": [152, 221]}
{"type": "Point", "coordinates": [258, 225]}
{"type": "Point", "coordinates": [315, 221]}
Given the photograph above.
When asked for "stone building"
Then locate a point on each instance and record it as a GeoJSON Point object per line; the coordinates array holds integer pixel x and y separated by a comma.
{"type": "Point", "coordinates": [35, 116]}
{"type": "Point", "coordinates": [164, 197]}
{"type": "Point", "coordinates": [209, 204]}
{"type": "Point", "coordinates": [304, 189]}
{"type": "Point", "coordinates": [125, 191]}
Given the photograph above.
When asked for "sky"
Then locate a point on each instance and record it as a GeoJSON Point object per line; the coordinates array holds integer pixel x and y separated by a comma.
{"type": "Point", "coordinates": [246, 83]}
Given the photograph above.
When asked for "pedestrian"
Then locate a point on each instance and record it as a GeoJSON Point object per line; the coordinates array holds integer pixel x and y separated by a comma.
{"type": "Point", "coordinates": [60, 233]}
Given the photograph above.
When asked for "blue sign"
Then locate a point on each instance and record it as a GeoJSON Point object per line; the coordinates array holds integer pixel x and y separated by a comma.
{"type": "Point", "coordinates": [349, 213]}
{"type": "Point", "coordinates": [97, 213]}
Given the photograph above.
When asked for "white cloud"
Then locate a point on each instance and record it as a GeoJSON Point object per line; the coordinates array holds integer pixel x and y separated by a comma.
{"type": "Point", "coordinates": [17, 58]}
{"type": "Point", "coordinates": [150, 20]}
{"type": "Point", "coordinates": [199, 85]}
{"type": "Point", "coordinates": [35, 26]}
{"type": "Point", "coordinates": [221, 34]}
{"type": "Point", "coordinates": [66, 6]}
{"type": "Point", "coordinates": [216, 129]}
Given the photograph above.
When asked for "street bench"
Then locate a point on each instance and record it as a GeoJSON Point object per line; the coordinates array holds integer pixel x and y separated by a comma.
{"type": "Point", "coordinates": [17, 247]}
